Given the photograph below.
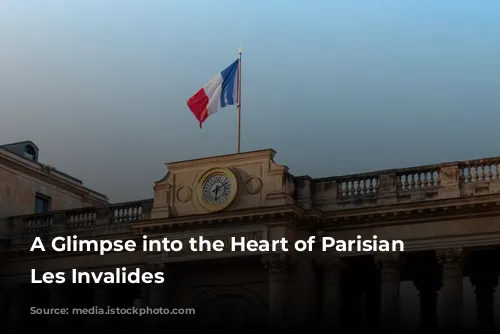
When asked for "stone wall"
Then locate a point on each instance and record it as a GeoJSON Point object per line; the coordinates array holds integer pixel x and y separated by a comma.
{"type": "Point", "coordinates": [21, 180]}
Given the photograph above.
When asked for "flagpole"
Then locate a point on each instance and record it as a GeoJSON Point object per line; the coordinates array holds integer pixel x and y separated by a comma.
{"type": "Point", "coordinates": [239, 98]}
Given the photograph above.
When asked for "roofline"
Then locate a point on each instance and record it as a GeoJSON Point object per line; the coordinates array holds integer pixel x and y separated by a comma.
{"type": "Point", "coordinates": [173, 165]}
{"type": "Point", "coordinates": [20, 142]}
{"type": "Point", "coordinates": [40, 164]}
{"type": "Point", "coordinates": [58, 176]}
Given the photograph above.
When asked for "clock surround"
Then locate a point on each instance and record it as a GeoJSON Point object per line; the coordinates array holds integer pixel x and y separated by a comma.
{"type": "Point", "coordinates": [217, 189]}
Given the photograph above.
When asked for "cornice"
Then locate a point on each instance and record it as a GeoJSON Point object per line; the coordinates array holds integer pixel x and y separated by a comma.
{"type": "Point", "coordinates": [405, 218]}
{"type": "Point", "coordinates": [436, 206]}
{"type": "Point", "coordinates": [226, 159]}
{"type": "Point", "coordinates": [262, 213]}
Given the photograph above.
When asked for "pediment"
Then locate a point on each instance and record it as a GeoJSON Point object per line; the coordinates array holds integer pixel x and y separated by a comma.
{"type": "Point", "coordinates": [259, 181]}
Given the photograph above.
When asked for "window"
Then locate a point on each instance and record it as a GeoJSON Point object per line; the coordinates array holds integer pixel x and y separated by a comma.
{"type": "Point", "coordinates": [29, 152]}
{"type": "Point", "coordinates": [42, 203]}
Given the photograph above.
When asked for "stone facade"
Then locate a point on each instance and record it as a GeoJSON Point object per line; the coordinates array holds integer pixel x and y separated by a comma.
{"type": "Point", "coordinates": [447, 215]}
{"type": "Point", "coordinates": [22, 179]}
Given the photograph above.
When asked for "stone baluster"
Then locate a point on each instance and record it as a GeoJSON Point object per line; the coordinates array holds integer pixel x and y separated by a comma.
{"type": "Point", "coordinates": [278, 266]}
{"type": "Point", "coordinates": [390, 278]}
{"type": "Point", "coordinates": [451, 295]}
{"type": "Point", "coordinates": [331, 298]}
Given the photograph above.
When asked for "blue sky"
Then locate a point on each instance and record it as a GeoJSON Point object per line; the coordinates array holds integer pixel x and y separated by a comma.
{"type": "Point", "coordinates": [335, 87]}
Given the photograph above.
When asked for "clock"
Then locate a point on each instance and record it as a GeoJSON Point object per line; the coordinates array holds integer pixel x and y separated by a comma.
{"type": "Point", "coordinates": [217, 189]}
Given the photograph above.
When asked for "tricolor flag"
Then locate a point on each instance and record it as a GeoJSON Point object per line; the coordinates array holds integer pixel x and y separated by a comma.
{"type": "Point", "coordinates": [219, 92]}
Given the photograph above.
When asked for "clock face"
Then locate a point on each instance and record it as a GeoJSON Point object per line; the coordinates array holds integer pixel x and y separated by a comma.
{"type": "Point", "coordinates": [217, 189]}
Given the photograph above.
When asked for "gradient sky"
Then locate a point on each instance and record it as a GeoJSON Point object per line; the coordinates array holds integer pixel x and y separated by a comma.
{"type": "Point", "coordinates": [335, 87]}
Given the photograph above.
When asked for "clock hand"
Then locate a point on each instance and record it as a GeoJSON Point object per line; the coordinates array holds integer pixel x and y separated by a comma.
{"type": "Point", "coordinates": [216, 192]}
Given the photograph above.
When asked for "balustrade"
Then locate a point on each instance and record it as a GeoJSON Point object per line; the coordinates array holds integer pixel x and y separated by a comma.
{"type": "Point", "coordinates": [419, 178]}
{"type": "Point", "coordinates": [69, 221]}
{"type": "Point", "coordinates": [408, 184]}
{"type": "Point", "coordinates": [482, 170]}
{"type": "Point", "coordinates": [358, 185]}
{"type": "Point", "coordinates": [430, 182]}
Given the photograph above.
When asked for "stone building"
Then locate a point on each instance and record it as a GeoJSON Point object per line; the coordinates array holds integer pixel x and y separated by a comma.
{"type": "Point", "coordinates": [28, 187]}
{"type": "Point", "coordinates": [447, 214]}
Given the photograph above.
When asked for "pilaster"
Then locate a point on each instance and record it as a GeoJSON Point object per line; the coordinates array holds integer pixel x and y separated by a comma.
{"type": "Point", "coordinates": [278, 266]}
{"type": "Point", "coordinates": [332, 269]}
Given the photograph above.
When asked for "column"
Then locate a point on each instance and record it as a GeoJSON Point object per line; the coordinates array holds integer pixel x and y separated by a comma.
{"type": "Point", "coordinates": [451, 296]}
{"type": "Point", "coordinates": [144, 303]}
{"type": "Point", "coordinates": [428, 283]}
{"type": "Point", "coordinates": [102, 300]}
{"type": "Point", "coordinates": [331, 298]}
{"type": "Point", "coordinates": [485, 280]}
{"type": "Point", "coordinates": [305, 296]}
{"type": "Point", "coordinates": [14, 299]}
{"type": "Point", "coordinates": [390, 277]}
{"type": "Point", "coordinates": [3, 307]}
{"type": "Point", "coordinates": [157, 298]}
{"type": "Point", "coordinates": [278, 266]}
{"type": "Point", "coordinates": [57, 299]}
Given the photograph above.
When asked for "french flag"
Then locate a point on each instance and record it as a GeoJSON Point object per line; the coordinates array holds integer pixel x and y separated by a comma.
{"type": "Point", "coordinates": [219, 92]}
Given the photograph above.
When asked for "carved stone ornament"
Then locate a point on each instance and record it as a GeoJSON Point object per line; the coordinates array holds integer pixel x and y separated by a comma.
{"type": "Point", "coordinates": [389, 265]}
{"type": "Point", "coordinates": [253, 185]}
{"type": "Point", "coordinates": [184, 194]}
{"type": "Point", "coordinates": [452, 260]}
{"type": "Point", "coordinates": [276, 263]}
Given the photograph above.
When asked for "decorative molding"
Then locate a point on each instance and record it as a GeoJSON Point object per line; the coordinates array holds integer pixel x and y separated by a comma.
{"type": "Point", "coordinates": [269, 212]}
{"type": "Point", "coordinates": [276, 263]}
{"type": "Point", "coordinates": [390, 265]}
{"type": "Point", "coordinates": [253, 185]}
{"type": "Point", "coordinates": [404, 214]}
{"type": "Point", "coordinates": [184, 194]}
{"type": "Point", "coordinates": [452, 261]}
{"type": "Point", "coordinates": [222, 159]}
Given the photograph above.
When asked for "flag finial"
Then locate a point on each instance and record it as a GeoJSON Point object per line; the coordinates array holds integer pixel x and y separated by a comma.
{"type": "Point", "coordinates": [240, 50]}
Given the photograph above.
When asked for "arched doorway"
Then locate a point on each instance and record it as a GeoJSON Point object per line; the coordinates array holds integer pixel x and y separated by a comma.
{"type": "Point", "coordinates": [231, 312]}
